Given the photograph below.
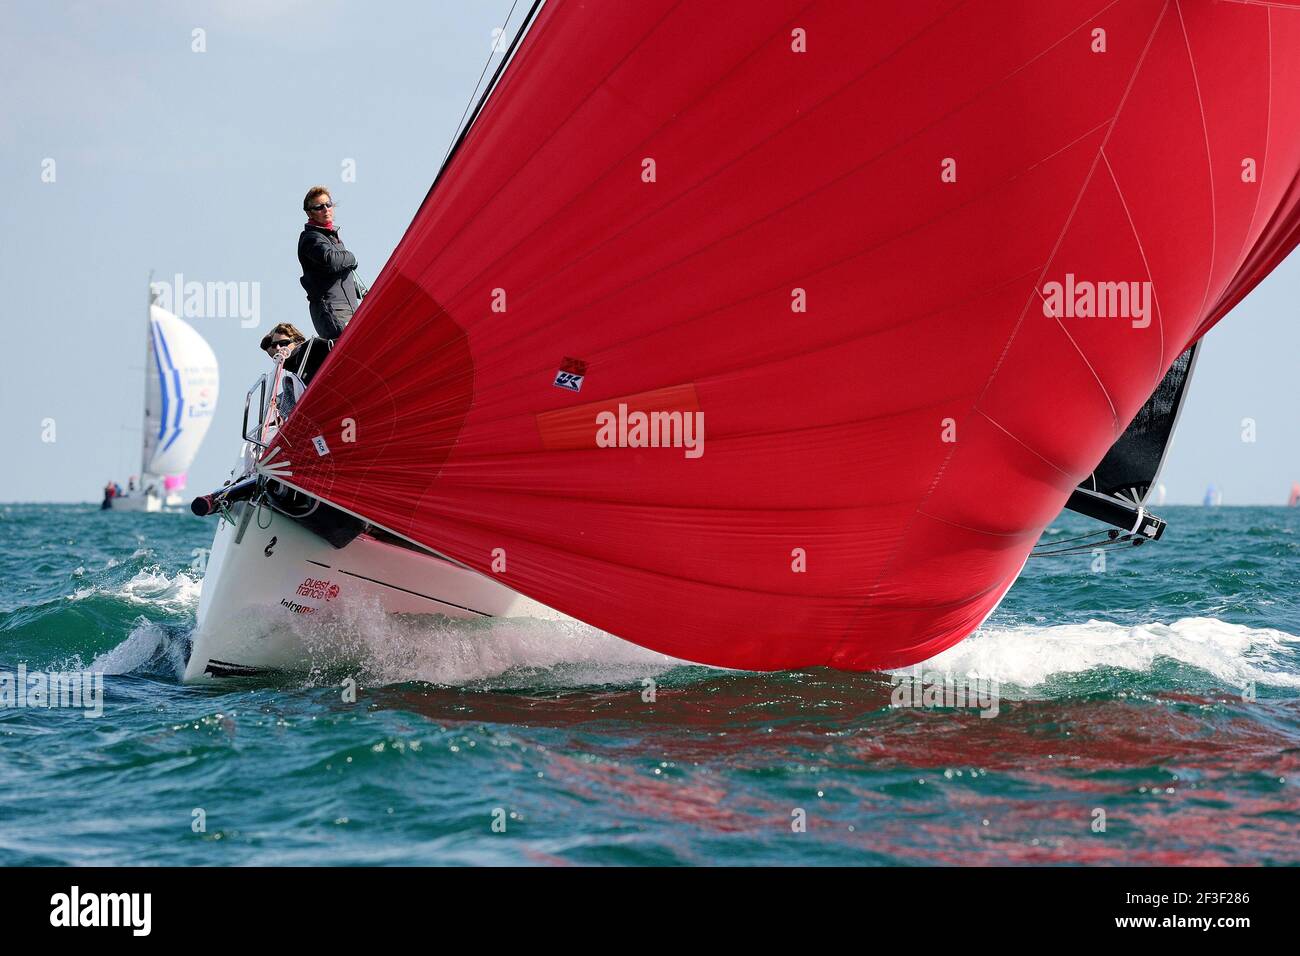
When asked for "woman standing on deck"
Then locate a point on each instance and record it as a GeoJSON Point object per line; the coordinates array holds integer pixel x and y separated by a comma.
{"type": "Point", "coordinates": [327, 267]}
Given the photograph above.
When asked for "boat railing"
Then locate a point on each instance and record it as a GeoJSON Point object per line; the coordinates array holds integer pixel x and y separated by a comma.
{"type": "Point", "coordinates": [277, 392]}
{"type": "Point", "coordinates": [259, 384]}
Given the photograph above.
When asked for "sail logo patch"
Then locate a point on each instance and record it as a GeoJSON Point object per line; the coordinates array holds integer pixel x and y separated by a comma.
{"type": "Point", "coordinates": [322, 449]}
{"type": "Point", "coordinates": [572, 372]}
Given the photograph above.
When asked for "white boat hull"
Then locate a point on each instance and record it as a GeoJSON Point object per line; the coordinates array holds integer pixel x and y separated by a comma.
{"type": "Point", "coordinates": [270, 585]}
{"type": "Point", "coordinates": [135, 501]}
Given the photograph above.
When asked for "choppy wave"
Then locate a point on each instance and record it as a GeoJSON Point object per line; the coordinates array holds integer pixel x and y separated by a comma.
{"type": "Point", "coordinates": [150, 649]}
{"type": "Point", "coordinates": [1119, 690]}
{"type": "Point", "coordinates": [529, 653]}
{"type": "Point", "coordinates": [483, 654]}
{"type": "Point", "coordinates": [522, 653]}
{"type": "Point", "coordinates": [151, 587]}
{"type": "Point", "coordinates": [1030, 657]}
{"type": "Point", "coordinates": [556, 653]}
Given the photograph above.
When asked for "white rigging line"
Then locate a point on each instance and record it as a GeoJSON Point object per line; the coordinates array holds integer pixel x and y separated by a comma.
{"type": "Point", "coordinates": [498, 46]}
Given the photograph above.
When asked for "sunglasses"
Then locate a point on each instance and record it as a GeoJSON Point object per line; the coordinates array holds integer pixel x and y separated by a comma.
{"type": "Point", "coordinates": [320, 206]}
{"type": "Point", "coordinates": [279, 344]}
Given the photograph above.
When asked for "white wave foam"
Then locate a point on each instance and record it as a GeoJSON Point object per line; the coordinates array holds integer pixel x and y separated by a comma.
{"type": "Point", "coordinates": [146, 642]}
{"type": "Point", "coordinates": [152, 586]}
{"type": "Point", "coordinates": [392, 649]}
{"type": "Point", "coordinates": [139, 647]}
{"type": "Point", "coordinates": [1029, 656]}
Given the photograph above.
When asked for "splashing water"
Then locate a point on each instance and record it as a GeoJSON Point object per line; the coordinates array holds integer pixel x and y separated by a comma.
{"type": "Point", "coordinates": [1031, 657]}
{"type": "Point", "coordinates": [489, 653]}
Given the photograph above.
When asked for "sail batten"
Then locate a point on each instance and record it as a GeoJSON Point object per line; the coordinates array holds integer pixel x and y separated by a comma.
{"type": "Point", "coordinates": [765, 334]}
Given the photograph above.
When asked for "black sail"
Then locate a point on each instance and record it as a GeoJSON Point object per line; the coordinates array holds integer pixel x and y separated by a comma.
{"type": "Point", "coordinates": [1117, 490]}
{"type": "Point", "coordinates": [1133, 463]}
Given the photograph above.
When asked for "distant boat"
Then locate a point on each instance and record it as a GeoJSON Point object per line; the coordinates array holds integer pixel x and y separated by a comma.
{"type": "Point", "coordinates": [180, 397]}
{"type": "Point", "coordinates": [1161, 493]}
{"type": "Point", "coordinates": [1294, 500]}
{"type": "Point", "coordinates": [1213, 497]}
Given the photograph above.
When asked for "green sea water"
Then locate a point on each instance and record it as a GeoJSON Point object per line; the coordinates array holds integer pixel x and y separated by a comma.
{"type": "Point", "coordinates": [1147, 713]}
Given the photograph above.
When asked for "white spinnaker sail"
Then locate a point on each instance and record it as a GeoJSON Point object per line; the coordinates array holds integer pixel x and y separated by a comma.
{"type": "Point", "coordinates": [181, 383]}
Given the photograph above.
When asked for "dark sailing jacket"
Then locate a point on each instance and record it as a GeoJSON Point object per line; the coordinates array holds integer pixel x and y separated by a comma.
{"type": "Point", "coordinates": [327, 268]}
{"type": "Point", "coordinates": [304, 361]}
{"type": "Point", "coordinates": [307, 358]}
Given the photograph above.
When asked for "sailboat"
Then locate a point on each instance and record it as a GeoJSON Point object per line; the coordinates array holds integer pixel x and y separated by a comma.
{"type": "Point", "coordinates": [768, 335]}
{"type": "Point", "coordinates": [180, 397]}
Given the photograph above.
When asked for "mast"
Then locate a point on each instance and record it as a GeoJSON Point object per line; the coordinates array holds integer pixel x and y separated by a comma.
{"type": "Point", "coordinates": [148, 363]}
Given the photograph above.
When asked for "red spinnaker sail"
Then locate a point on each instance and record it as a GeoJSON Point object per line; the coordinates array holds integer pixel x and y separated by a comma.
{"type": "Point", "coordinates": [892, 256]}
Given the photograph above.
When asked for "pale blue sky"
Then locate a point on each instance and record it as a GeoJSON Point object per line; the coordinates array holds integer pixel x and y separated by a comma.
{"type": "Point", "coordinates": [177, 161]}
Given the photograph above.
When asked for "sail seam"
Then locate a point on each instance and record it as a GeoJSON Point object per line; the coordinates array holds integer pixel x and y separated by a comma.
{"type": "Point", "coordinates": [784, 284]}
{"type": "Point", "coordinates": [1155, 293]}
{"type": "Point", "coordinates": [1247, 243]}
{"type": "Point", "coordinates": [524, 293]}
{"type": "Point", "coordinates": [1209, 162]}
{"type": "Point", "coordinates": [888, 565]}
{"type": "Point", "coordinates": [1018, 533]}
{"type": "Point", "coordinates": [1022, 443]}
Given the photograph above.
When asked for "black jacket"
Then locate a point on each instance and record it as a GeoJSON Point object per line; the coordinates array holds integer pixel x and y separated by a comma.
{"type": "Point", "coordinates": [327, 267]}
{"type": "Point", "coordinates": [307, 358]}
{"type": "Point", "coordinates": [304, 361]}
